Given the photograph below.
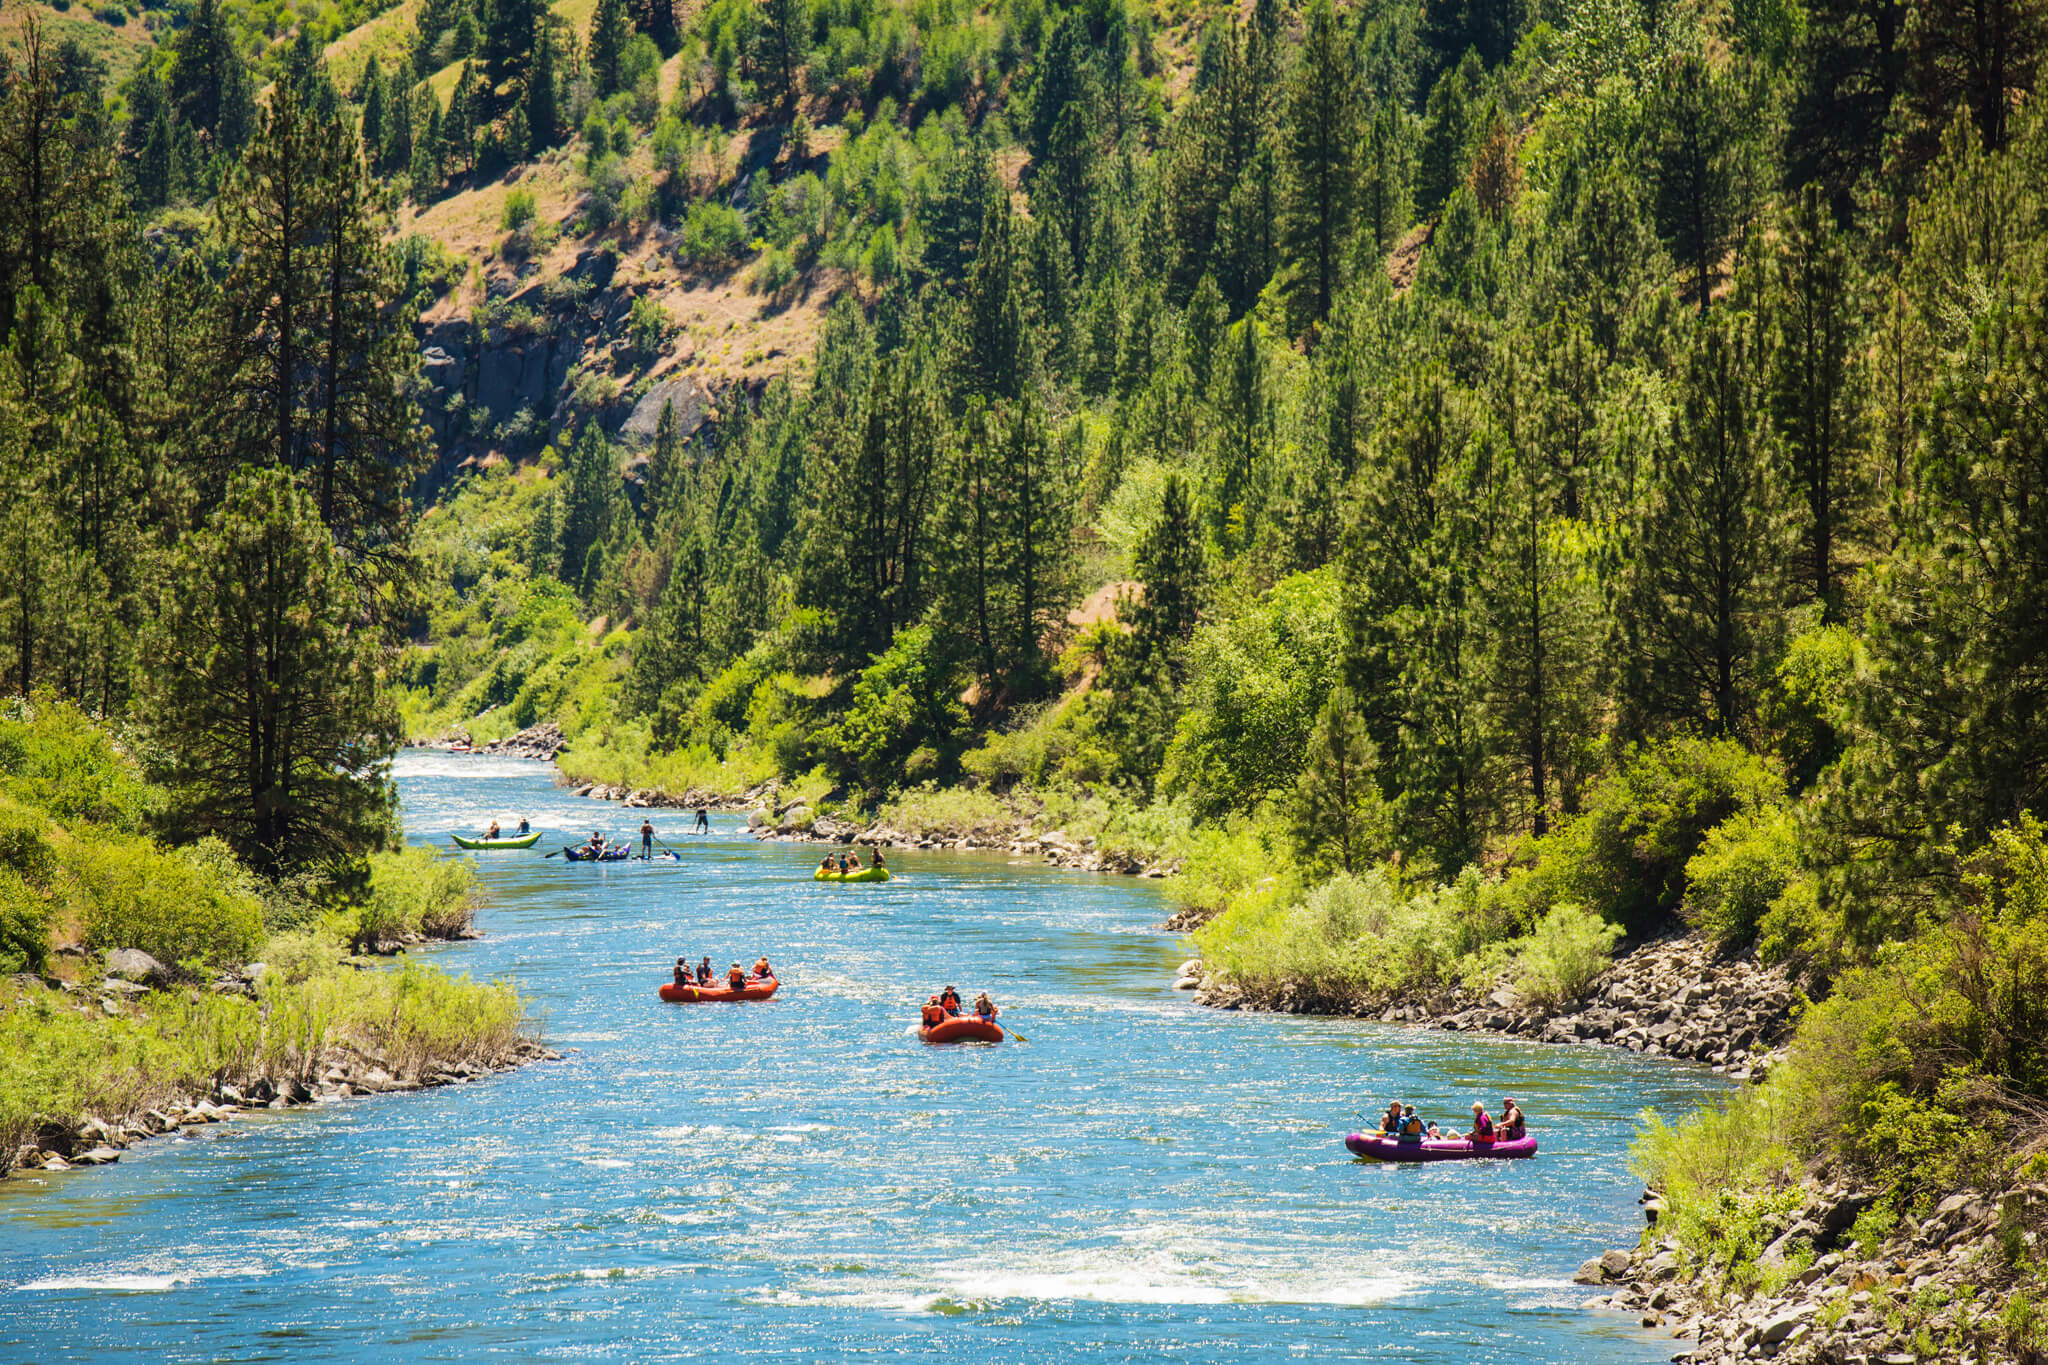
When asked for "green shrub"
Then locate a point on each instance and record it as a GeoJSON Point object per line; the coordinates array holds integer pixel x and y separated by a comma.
{"type": "Point", "coordinates": [1743, 866]}
{"type": "Point", "coordinates": [24, 925]}
{"type": "Point", "coordinates": [1571, 946]}
{"type": "Point", "coordinates": [713, 234]}
{"type": "Point", "coordinates": [519, 209]}
{"type": "Point", "coordinates": [907, 699]}
{"type": "Point", "coordinates": [55, 756]}
{"type": "Point", "coordinates": [415, 891]}
{"type": "Point", "coordinates": [177, 907]}
{"type": "Point", "coordinates": [1227, 862]}
{"type": "Point", "coordinates": [1625, 856]}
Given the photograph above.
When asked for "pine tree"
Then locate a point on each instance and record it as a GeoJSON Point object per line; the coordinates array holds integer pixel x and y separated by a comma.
{"type": "Point", "coordinates": [1447, 134]}
{"type": "Point", "coordinates": [657, 19]}
{"type": "Point", "coordinates": [264, 699]}
{"type": "Point", "coordinates": [1334, 815]}
{"type": "Point", "coordinates": [1241, 435]}
{"type": "Point", "coordinates": [429, 154]}
{"type": "Point", "coordinates": [1700, 165]}
{"type": "Point", "coordinates": [588, 507]}
{"type": "Point", "coordinates": [209, 86]}
{"type": "Point", "coordinates": [667, 474]}
{"type": "Point", "coordinates": [513, 31]}
{"type": "Point", "coordinates": [156, 170]}
{"type": "Point", "coordinates": [1387, 177]}
{"type": "Point", "coordinates": [310, 375]}
{"type": "Point", "coordinates": [610, 30]}
{"type": "Point", "coordinates": [1818, 389]}
{"type": "Point", "coordinates": [1703, 600]}
{"type": "Point", "coordinates": [1321, 143]}
{"type": "Point", "coordinates": [781, 48]}
{"type": "Point", "coordinates": [541, 112]}
{"type": "Point", "coordinates": [1168, 564]}
{"type": "Point", "coordinates": [995, 343]}
{"type": "Point", "coordinates": [376, 133]}
{"type": "Point", "coordinates": [1544, 637]}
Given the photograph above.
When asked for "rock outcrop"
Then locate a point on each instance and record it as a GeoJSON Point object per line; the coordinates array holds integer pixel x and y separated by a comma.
{"type": "Point", "coordinates": [1933, 1287]}
{"type": "Point", "coordinates": [1670, 997]}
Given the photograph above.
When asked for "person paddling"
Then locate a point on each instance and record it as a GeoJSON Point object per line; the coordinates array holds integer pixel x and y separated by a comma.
{"type": "Point", "coordinates": [703, 820]}
{"type": "Point", "coordinates": [704, 971]}
{"type": "Point", "coordinates": [524, 828]}
{"type": "Point", "coordinates": [646, 839]}
{"type": "Point", "coordinates": [683, 971]}
{"type": "Point", "coordinates": [1390, 1122]}
{"type": "Point", "coordinates": [492, 832]}
{"type": "Point", "coordinates": [985, 1008]}
{"type": "Point", "coordinates": [596, 844]}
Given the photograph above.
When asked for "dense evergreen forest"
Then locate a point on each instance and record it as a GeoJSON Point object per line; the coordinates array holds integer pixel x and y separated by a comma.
{"type": "Point", "coordinates": [1534, 473]}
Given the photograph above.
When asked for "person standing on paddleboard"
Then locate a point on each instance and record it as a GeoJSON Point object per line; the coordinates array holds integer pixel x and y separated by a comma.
{"type": "Point", "coordinates": [646, 839]}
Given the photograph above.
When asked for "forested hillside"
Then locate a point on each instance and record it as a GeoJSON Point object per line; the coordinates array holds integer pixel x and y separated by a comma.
{"type": "Point", "coordinates": [1535, 474]}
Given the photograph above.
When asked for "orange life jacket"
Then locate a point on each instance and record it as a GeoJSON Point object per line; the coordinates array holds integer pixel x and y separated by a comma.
{"type": "Point", "coordinates": [736, 979]}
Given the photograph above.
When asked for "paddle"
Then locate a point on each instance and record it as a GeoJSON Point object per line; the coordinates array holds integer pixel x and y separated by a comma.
{"type": "Point", "coordinates": [1018, 1036]}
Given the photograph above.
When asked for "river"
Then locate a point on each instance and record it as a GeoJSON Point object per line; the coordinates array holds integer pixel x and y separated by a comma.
{"type": "Point", "coordinates": [1141, 1179]}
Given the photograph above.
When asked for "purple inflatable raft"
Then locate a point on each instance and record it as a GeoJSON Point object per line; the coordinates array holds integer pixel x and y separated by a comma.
{"type": "Point", "coordinates": [1377, 1148]}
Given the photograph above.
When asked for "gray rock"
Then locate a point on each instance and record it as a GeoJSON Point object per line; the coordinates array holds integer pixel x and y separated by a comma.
{"type": "Point", "coordinates": [680, 389]}
{"type": "Point", "coordinates": [1590, 1272]}
{"type": "Point", "coordinates": [1616, 1263]}
{"type": "Point", "coordinates": [98, 1156]}
{"type": "Point", "coordinates": [1774, 1330]}
{"type": "Point", "coordinates": [132, 964]}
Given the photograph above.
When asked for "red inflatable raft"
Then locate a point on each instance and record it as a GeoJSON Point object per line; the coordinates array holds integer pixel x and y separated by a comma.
{"type": "Point", "coordinates": [757, 988]}
{"type": "Point", "coordinates": [1379, 1148]}
{"type": "Point", "coordinates": [964, 1029]}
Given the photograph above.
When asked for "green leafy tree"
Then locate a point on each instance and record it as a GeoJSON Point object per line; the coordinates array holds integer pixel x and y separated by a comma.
{"type": "Point", "coordinates": [781, 50]}
{"type": "Point", "coordinates": [261, 694]}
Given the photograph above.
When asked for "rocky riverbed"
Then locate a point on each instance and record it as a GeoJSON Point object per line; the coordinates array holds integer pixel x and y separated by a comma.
{"type": "Point", "coordinates": [1669, 997]}
{"type": "Point", "coordinates": [1936, 1287]}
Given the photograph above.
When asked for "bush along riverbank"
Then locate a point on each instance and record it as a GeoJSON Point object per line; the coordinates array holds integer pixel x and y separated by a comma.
{"type": "Point", "coordinates": [1883, 1194]}
{"type": "Point", "coordinates": [1672, 997]}
{"type": "Point", "coordinates": [145, 986]}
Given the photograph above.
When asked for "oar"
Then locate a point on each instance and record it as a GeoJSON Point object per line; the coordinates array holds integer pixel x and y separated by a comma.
{"type": "Point", "coordinates": [1018, 1036]}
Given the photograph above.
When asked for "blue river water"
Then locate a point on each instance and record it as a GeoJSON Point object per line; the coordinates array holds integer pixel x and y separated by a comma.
{"type": "Point", "coordinates": [1141, 1179]}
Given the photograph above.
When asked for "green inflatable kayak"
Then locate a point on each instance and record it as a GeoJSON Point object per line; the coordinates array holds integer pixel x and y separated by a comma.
{"type": "Point", "coordinates": [516, 841]}
{"type": "Point", "coordinates": [866, 874]}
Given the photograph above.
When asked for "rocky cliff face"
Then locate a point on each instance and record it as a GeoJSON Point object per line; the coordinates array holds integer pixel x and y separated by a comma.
{"type": "Point", "coordinates": [539, 359]}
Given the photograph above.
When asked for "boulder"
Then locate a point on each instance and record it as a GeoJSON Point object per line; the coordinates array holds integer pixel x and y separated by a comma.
{"type": "Point", "coordinates": [98, 1156]}
{"type": "Point", "coordinates": [132, 964]}
{"type": "Point", "coordinates": [1590, 1272]}
{"type": "Point", "coordinates": [681, 390]}
{"type": "Point", "coordinates": [1616, 1263]}
{"type": "Point", "coordinates": [1776, 1329]}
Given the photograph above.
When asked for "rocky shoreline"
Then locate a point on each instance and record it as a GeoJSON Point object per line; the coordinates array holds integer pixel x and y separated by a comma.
{"type": "Point", "coordinates": [341, 1072]}
{"type": "Point", "coordinates": [1929, 1288]}
{"type": "Point", "coordinates": [1668, 997]}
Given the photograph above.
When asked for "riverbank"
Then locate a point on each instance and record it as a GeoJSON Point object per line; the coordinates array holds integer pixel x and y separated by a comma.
{"type": "Point", "coordinates": [1844, 1280]}
{"type": "Point", "coordinates": [98, 1064]}
{"type": "Point", "coordinates": [1670, 997]}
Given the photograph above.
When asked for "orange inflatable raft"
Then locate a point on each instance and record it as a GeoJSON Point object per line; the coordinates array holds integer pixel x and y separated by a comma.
{"type": "Point", "coordinates": [757, 988]}
{"type": "Point", "coordinates": [965, 1028]}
